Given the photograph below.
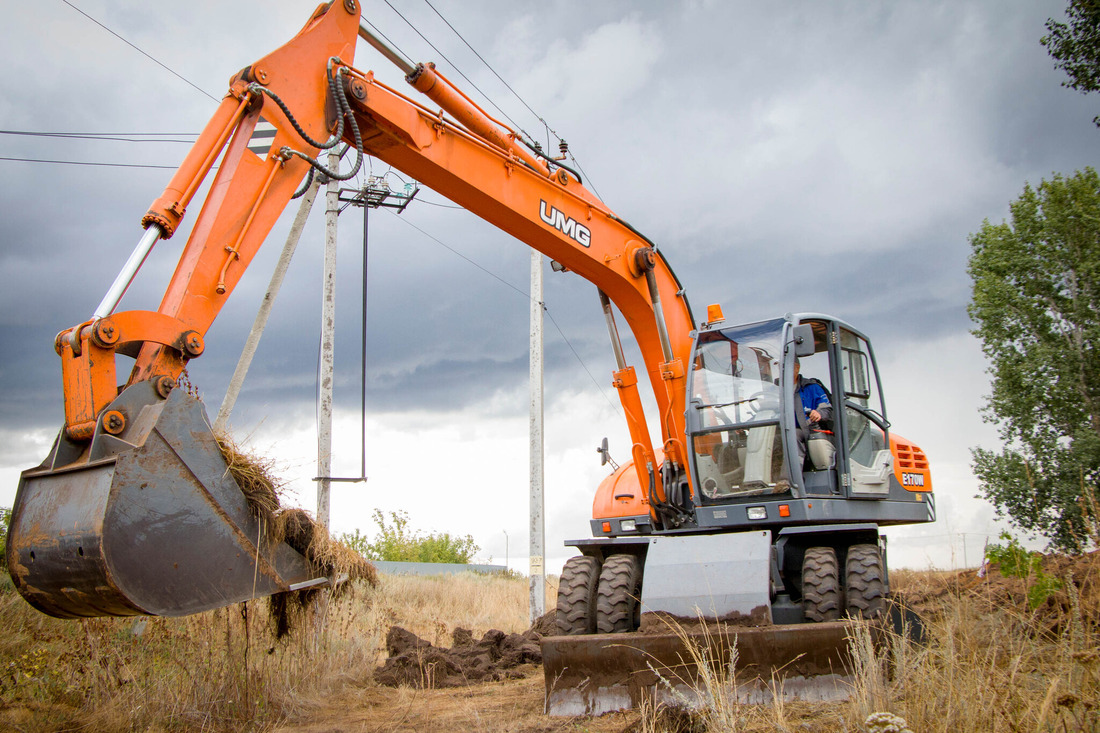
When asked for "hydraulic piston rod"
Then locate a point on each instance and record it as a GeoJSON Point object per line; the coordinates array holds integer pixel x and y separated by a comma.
{"type": "Point", "coordinates": [129, 271]}
{"type": "Point", "coordinates": [659, 315]}
{"type": "Point", "coordinates": [613, 331]}
{"type": "Point", "coordinates": [384, 48]}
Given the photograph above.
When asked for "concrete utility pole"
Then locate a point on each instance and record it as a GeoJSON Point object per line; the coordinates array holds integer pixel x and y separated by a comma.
{"type": "Point", "coordinates": [328, 348]}
{"type": "Point", "coordinates": [537, 582]}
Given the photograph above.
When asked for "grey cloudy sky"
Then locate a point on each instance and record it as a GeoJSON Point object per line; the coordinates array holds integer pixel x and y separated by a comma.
{"type": "Point", "coordinates": [807, 156]}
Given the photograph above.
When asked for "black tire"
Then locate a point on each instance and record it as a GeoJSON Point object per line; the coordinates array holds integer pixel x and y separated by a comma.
{"type": "Point", "coordinates": [617, 603]}
{"type": "Point", "coordinates": [576, 611]}
{"type": "Point", "coordinates": [821, 598]}
{"type": "Point", "coordinates": [863, 578]}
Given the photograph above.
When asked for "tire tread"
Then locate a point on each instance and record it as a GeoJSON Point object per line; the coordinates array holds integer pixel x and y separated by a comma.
{"type": "Point", "coordinates": [821, 597]}
{"type": "Point", "coordinates": [866, 597]}
{"type": "Point", "coordinates": [618, 596]}
{"type": "Point", "coordinates": [576, 607]}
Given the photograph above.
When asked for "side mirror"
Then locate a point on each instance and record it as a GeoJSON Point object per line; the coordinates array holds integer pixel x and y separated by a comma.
{"type": "Point", "coordinates": [803, 335]}
{"type": "Point", "coordinates": [605, 455]}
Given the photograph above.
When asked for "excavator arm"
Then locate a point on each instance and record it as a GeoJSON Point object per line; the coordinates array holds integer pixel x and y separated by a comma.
{"type": "Point", "coordinates": [467, 157]}
{"type": "Point", "coordinates": [133, 511]}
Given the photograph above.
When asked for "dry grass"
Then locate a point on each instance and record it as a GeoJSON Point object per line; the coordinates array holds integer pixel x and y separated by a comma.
{"type": "Point", "coordinates": [256, 476]}
{"type": "Point", "coordinates": [224, 670]}
{"type": "Point", "coordinates": [990, 665]}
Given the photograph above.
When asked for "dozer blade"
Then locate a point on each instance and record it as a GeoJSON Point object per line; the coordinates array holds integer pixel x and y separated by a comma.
{"type": "Point", "coordinates": [598, 673]}
{"type": "Point", "coordinates": [146, 522]}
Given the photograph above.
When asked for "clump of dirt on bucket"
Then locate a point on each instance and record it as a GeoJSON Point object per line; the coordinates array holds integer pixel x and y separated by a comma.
{"type": "Point", "coordinates": [496, 656]}
{"type": "Point", "coordinates": [255, 475]}
{"type": "Point", "coordinates": [331, 557]}
{"type": "Point", "coordinates": [327, 556]}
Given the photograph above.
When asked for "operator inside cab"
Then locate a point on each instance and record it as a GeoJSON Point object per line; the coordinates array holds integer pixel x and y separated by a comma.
{"type": "Point", "coordinates": [813, 413]}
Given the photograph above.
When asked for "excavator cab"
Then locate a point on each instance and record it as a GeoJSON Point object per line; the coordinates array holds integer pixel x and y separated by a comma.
{"type": "Point", "coordinates": [744, 446]}
{"type": "Point", "coordinates": [749, 440]}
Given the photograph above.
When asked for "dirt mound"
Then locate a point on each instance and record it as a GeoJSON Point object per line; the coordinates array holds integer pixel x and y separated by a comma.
{"type": "Point", "coordinates": [1076, 593]}
{"type": "Point", "coordinates": [496, 656]}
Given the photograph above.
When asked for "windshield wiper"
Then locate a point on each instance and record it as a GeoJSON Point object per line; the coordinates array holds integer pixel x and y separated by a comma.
{"type": "Point", "coordinates": [727, 404]}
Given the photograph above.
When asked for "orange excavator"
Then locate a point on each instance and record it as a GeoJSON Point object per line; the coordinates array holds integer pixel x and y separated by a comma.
{"type": "Point", "coordinates": [751, 509]}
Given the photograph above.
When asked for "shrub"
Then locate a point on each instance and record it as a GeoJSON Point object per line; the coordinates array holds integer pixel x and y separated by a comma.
{"type": "Point", "coordinates": [5, 518]}
{"type": "Point", "coordinates": [1016, 562]}
{"type": "Point", "coordinates": [398, 543]}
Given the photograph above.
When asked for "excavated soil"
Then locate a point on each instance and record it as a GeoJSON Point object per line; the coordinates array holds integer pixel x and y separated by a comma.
{"type": "Point", "coordinates": [497, 656]}
{"type": "Point", "coordinates": [661, 622]}
{"type": "Point", "coordinates": [1078, 596]}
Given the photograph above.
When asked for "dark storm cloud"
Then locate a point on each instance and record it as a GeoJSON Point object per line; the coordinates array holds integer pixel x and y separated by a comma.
{"type": "Point", "coordinates": [809, 157]}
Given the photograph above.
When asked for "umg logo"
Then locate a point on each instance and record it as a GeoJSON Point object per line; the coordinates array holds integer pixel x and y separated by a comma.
{"type": "Point", "coordinates": [568, 226]}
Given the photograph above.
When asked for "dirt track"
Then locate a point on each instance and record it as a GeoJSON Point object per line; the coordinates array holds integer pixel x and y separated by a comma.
{"type": "Point", "coordinates": [512, 706]}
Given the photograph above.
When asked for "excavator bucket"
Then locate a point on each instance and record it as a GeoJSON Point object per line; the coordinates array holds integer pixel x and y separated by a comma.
{"type": "Point", "coordinates": [598, 673]}
{"type": "Point", "coordinates": [148, 521]}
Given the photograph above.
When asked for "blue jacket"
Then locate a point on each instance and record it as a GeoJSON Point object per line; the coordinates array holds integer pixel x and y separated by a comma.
{"type": "Point", "coordinates": [814, 397]}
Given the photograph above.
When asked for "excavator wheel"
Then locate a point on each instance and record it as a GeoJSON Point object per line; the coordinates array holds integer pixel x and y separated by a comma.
{"type": "Point", "coordinates": [580, 580]}
{"type": "Point", "coordinates": [821, 599]}
{"type": "Point", "coordinates": [863, 580]}
{"type": "Point", "coordinates": [617, 605]}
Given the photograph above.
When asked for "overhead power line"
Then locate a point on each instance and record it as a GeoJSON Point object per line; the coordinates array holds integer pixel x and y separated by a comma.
{"type": "Point", "coordinates": [128, 137]}
{"type": "Point", "coordinates": [509, 86]}
{"type": "Point", "coordinates": [142, 52]}
{"type": "Point", "coordinates": [487, 65]}
{"type": "Point", "coordinates": [80, 162]}
{"type": "Point", "coordinates": [459, 71]}
{"type": "Point", "coordinates": [526, 295]}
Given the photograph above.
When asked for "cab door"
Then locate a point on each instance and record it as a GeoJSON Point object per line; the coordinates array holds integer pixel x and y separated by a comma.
{"type": "Point", "coordinates": [865, 460]}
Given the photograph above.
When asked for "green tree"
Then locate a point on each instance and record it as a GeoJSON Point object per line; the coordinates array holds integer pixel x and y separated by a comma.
{"type": "Point", "coordinates": [1075, 46]}
{"type": "Point", "coordinates": [5, 518]}
{"type": "Point", "coordinates": [1036, 301]}
{"type": "Point", "coordinates": [397, 543]}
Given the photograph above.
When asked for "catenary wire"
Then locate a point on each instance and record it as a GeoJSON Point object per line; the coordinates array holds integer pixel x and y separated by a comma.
{"type": "Point", "coordinates": [487, 65]}
{"type": "Point", "coordinates": [143, 53]}
{"type": "Point", "coordinates": [448, 247]}
{"type": "Point", "coordinates": [579, 359]}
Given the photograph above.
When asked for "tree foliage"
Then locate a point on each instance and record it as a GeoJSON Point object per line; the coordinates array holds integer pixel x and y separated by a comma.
{"type": "Point", "coordinates": [1075, 46]}
{"type": "Point", "coordinates": [5, 519]}
{"type": "Point", "coordinates": [1036, 301]}
{"type": "Point", "coordinates": [1016, 562]}
{"type": "Point", "coordinates": [396, 542]}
